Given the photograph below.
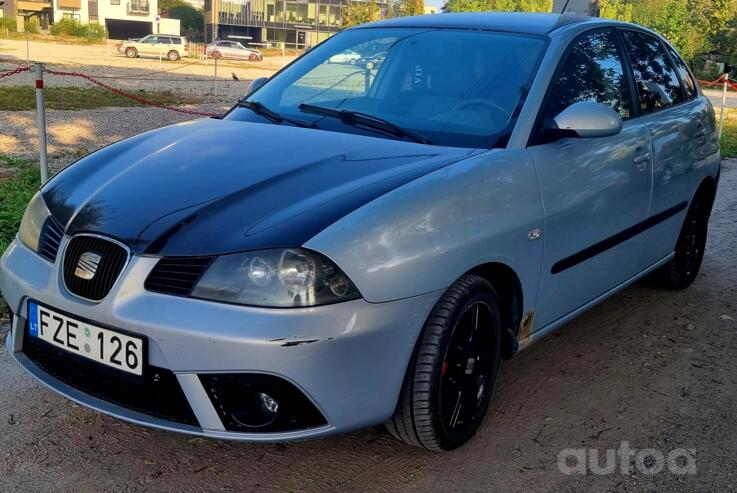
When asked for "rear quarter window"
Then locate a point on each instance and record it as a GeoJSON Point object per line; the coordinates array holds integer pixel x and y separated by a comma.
{"type": "Point", "coordinates": [688, 81]}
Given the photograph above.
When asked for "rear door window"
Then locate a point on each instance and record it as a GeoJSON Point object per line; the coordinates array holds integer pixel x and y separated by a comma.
{"type": "Point", "coordinates": [656, 79]}
{"type": "Point", "coordinates": [592, 71]}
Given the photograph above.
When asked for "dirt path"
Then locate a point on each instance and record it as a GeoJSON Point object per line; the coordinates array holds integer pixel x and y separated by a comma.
{"type": "Point", "coordinates": [653, 368]}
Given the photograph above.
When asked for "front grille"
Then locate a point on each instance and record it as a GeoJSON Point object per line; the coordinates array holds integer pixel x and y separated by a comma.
{"type": "Point", "coordinates": [113, 258]}
{"type": "Point", "coordinates": [177, 275]}
{"type": "Point", "coordinates": [158, 394]}
{"type": "Point", "coordinates": [48, 242]}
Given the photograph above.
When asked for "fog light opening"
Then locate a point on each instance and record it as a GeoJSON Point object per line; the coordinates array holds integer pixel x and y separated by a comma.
{"type": "Point", "coordinates": [255, 410]}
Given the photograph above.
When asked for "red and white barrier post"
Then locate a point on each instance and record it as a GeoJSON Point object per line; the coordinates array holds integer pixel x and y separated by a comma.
{"type": "Point", "coordinates": [41, 122]}
{"type": "Point", "coordinates": [723, 110]}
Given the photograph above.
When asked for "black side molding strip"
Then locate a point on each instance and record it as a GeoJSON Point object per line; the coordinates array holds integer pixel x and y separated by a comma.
{"type": "Point", "coordinates": [615, 240]}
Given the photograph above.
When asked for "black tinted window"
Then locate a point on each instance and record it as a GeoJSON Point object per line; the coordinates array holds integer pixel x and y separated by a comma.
{"type": "Point", "coordinates": [656, 79]}
{"type": "Point", "coordinates": [176, 41]}
{"type": "Point", "coordinates": [592, 71]}
{"type": "Point", "coordinates": [686, 77]}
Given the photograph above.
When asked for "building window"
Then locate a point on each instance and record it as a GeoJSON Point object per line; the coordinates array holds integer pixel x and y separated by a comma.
{"type": "Point", "coordinates": [114, 2]}
{"type": "Point", "coordinates": [139, 6]}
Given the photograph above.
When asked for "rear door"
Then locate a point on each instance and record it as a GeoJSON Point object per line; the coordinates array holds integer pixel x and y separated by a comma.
{"type": "Point", "coordinates": [595, 190]}
{"type": "Point", "coordinates": [678, 121]}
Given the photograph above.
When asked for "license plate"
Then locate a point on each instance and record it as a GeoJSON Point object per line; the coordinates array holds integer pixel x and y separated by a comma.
{"type": "Point", "coordinates": [108, 347]}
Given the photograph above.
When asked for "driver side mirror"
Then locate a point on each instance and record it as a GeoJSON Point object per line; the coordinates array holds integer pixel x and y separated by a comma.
{"type": "Point", "coordinates": [585, 119]}
{"type": "Point", "coordinates": [256, 83]}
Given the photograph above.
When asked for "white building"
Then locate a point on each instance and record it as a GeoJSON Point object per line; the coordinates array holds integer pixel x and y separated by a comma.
{"type": "Point", "coordinates": [122, 18]}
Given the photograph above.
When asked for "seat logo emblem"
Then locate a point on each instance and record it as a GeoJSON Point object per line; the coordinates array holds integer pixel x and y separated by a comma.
{"type": "Point", "coordinates": [87, 265]}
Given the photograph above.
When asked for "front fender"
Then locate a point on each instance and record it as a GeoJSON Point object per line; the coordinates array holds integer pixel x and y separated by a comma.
{"type": "Point", "coordinates": [421, 237]}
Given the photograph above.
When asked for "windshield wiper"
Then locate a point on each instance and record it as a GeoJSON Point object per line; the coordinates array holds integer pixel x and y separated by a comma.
{"type": "Point", "coordinates": [261, 110]}
{"type": "Point", "coordinates": [357, 118]}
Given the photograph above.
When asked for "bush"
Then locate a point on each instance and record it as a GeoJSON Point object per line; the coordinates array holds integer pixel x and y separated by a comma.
{"type": "Point", "coordinates": [9, 24]}
{"type": "Point", "coordinates": [19, 181]}
{"type": "Point", "coordinates": [72, 27]}
{"type": "Point", "coordinates": [31, 26]}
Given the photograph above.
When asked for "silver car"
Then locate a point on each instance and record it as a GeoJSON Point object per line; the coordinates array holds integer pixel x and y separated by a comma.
{"type": "Point", "coordinates": [156, 45]}
{"type": "Point", "coordinates": [351, 246]}
{"type": "Point", "coordinates": [233, 50]}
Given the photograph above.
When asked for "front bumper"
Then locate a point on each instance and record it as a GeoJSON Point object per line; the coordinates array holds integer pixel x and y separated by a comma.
{"type": "Point", "coordinates": [348, 359]}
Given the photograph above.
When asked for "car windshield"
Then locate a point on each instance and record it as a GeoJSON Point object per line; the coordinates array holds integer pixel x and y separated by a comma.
{"type": "Point", "coordinates": [454, 87]}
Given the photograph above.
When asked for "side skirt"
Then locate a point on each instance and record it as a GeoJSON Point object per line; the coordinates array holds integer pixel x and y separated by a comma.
{"type": "Point", "coordinates": [553, 326]}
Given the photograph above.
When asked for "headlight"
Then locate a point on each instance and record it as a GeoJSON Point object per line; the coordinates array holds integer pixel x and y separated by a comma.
{"type": "Point", "coordinates": [33, 220]}
{"type": "Point", "coordinates": [275, 278]}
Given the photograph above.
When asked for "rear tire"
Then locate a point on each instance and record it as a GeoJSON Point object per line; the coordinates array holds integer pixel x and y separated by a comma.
{"type": "Point", "coordinates": [173, 55]}
{"type": "Point", "coordinates": [451, 375]}
{"type": "Point", "coordinates": [131, 52]}
{"type": "Point", "coordinates": [682, 269]}
{"type": "Point", "coordinates": [252, 57]}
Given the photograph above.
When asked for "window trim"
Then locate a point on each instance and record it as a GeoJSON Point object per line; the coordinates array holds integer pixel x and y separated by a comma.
{"type": "Point", "coordinates": [632, 73]}
{"type": "Point", "coordinates": [534, 134]}
{"type": "Point", "coordinates": [670, 48]}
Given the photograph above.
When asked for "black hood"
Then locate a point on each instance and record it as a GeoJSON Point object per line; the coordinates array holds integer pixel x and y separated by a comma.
{"type": "Point", "coordinates": [215, 186]}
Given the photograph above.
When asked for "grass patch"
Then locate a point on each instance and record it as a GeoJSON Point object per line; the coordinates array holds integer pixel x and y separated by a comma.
{"type": "Point", "coordinates": [729, 136]}
{"type": "Point", "coordinates": [23, 98]}
{"type": "Point", "coordinates": [19, 180]}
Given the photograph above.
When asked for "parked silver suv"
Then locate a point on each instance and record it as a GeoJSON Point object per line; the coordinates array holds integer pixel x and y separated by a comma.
{"type": "Point", "coordinates": [158, 45]}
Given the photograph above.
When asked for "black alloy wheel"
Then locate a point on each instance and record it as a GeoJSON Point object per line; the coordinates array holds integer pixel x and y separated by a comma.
{"type": "Point", "coordinates": [683, 268]}
{"type": "Point", "coordinates": [451, 376]}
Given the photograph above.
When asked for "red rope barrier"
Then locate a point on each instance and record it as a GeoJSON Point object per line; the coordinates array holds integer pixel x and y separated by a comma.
{"type": "Point", "coordinates": [129, 96]}
{"type": "Point", "coordinates": [16, 71]}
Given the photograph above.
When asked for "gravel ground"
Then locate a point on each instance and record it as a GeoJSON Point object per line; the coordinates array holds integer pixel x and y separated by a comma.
{"type": "Point", "coordinates": [72, 134]}
{"type": "Point", "coordinates": [651, 368]}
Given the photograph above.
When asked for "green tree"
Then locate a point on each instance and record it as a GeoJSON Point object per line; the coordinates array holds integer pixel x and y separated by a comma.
{"type": "Point", "coordinates": [693, 26]}
{"type": "Point", "coordinates": [498, 5]}
{"type": "Point", "coordinates": [191, 20]}
{"type": "Point", "coordinates": [360, 12]}
{"type": "Point", "coordinates": [412, 7]}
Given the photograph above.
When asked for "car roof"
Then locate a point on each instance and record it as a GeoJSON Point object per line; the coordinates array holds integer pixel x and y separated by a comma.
{"type": "Point", "coordinates": [517, 22]}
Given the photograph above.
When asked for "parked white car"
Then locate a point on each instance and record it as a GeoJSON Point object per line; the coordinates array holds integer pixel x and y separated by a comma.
{"type": "Point", "coordinates": [348, 56]}
{"type": "Point", "coordinates": [159, 45]}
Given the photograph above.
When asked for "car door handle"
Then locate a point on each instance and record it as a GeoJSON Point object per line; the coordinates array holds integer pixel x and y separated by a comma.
{"type": "Point", "coordinates": [641, 160]}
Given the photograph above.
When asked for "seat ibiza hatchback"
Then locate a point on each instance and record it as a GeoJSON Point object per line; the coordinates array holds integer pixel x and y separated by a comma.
{"type": "Point", "coordinates": [353, 245]}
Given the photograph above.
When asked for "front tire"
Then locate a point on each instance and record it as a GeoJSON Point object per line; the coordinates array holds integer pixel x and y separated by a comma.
{"type": "Point", "coordinates": [682, 269]}
{"type": "Point", "coordinates": [451, 376]}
